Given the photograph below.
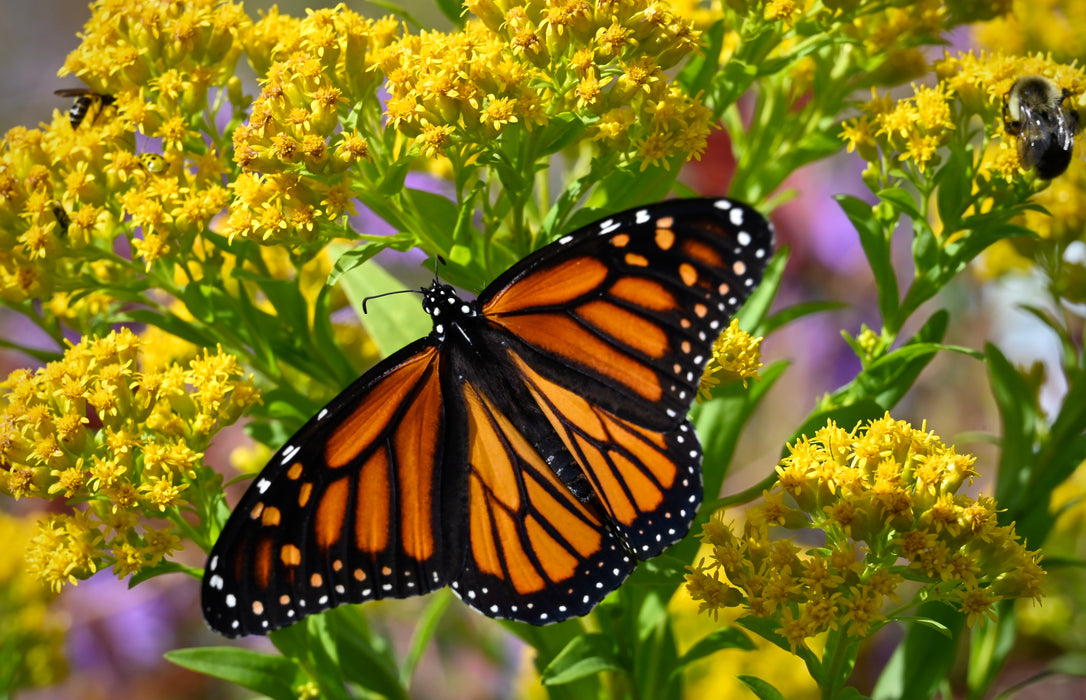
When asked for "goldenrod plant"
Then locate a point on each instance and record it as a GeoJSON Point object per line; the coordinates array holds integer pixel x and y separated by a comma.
{"type": "Point", "coordinates": [196, 250]}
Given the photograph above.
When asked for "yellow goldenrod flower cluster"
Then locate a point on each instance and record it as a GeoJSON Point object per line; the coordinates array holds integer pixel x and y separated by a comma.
{"type": "Point", "coordinates": [168, 68]}
{"type": "Point", "coordinates": [316, 114]}
{"type": "Point", "coordinates": [736, 356]}
{"type": "Point", "coordinates": [32, 636]}
{"type": "Point", "coordinates": [911, 130]}
{"type": "Point", "coordinates": [319, 131]}
{"type": "Point", "coordinates": [885, 499]}
{"type": "Point", "coordinates": [69, 189]}
{"type": "Point", "coordinates": [982, 82]}
{"type": "Point", "coordinates": [122, 446]}
{"type": "Point", "coordinates": [913, 138]}
{"type": "Point", "coordinates": [529, 62]}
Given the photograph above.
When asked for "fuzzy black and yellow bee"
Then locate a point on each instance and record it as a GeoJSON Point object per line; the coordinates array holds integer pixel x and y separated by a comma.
{"type": "Point", "coordinates": [1035, 111]}
{"type": "Point", "coordinates": [85, 101]}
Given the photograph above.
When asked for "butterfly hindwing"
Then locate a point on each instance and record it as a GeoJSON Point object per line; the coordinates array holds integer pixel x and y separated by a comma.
{"type": "Point", "coordinates": [350, 509]}
{"type": "Point", "coordinates": [536, 552]}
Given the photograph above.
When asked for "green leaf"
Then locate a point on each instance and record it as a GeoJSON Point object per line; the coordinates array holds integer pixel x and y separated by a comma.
{"type": "Point", "coordinates": [902, 200]}
{"type": "Point", "coordinates": [163, 567]}
{"type": "Point", "coordinates": [435, 218]}
{"type": "Point", "coordinates": [932, 624]}
{"type": "Point", "coordinates": [359, 254]}
{"type": "Point", "coordinates": [209, 305]}
{"type": "Point", "coordinates": [547, 643]}
{"type": "Point", "coordinates": [366, 657]}
{"type": "Point", "coordinates": [174, 325]}
{"type": "Point", "coordinates": [392, 184]}
{"type": "Point", "coordinates": [877, 249]}
{"type": "Point", "coordinates": [651, 648]}
{"type": "Point", "coordinates": [763, 689]}
{"type": "Point", "coordinates": [560, 132]}
{"type": "Point", "coordinates": [424, 632]}
{"type": "Point", "coordinates": [320, 652]}
{"type": "Point", "coordinates": [921, 662]}
{"type": "Point", "coordinates": [796, 312]}
{"type": "Point", "coordinates": [393, 321]}
{"type": "Point", "coordinates": [697, 75]}
{"type": "Point", "coordinates": [754, 310]}
{"type": "Point", "coordinates": [928, 257]}
{"type": "Point", "coordinates": [989, 646]}
{"type": "Point", "coordinates": [1020, 419]}
{"type": "Point", "coordinates": [586, 655]}
{"type": "Point", "coordinates": [730, 84]}
{"type": "Point", "coordinates": [717, 640]}
{"type": "Point", "coordinates": [954, 193]}
{"type": "Point", "coordinates": [453, 11]}
{"type": "Point", "coordinates": [888, 378]}
{"type": "Point", "coordinates": [273, 676]}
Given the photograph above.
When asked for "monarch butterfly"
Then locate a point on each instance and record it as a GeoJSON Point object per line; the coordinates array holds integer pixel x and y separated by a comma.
{"type": "Point", "coordinates": [527, 452]}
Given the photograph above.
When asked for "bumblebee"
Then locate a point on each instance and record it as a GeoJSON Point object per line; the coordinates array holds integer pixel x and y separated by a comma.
{"type": "Point", "coordinates": [1034, 111]}
{"type": "Point", "coordinates": [85, 101]}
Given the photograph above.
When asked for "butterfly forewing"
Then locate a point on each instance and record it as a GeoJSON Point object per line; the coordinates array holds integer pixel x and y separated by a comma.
{"type": "Point", "coordinates": [611, 328]}
{"type": "Point", "coordinates": [349, 510]}
{"type": "Point", "coordinates": [634, 303]}
{"type": "Point", "coordinates": [527, 452]}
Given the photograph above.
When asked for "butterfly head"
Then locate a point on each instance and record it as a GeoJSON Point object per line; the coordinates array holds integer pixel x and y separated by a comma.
{"type": "Point", "coordinates": [446, 308]}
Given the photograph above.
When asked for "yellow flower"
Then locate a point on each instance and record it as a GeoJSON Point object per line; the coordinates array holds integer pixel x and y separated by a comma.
{"type": "Point", "coordinates": [843, 483]}
{"type": "Point", "coordinates": [736, 356]}
{"type": "Point", "coordinates": [140, 462]}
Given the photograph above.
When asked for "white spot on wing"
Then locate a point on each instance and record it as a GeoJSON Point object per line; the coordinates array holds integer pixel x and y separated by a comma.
{"type": "Point", "coordinates": [262, 485]}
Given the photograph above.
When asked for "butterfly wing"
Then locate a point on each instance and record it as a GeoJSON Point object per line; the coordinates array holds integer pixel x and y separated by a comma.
{"type": "Point", "coordinates": [610, 329]}
{"type": "Point", "coordinates": [537, 552]}
{"type": "Point", "coordinates": [524, 458]}
{"type": "Point", "coordinates": [355, 507]}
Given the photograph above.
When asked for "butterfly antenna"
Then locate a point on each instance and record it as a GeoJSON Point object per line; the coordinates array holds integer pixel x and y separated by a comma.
{"type": "Point", "coordinates": [385, 294]}
{"type": "Point", "coordinates": [438, 263]}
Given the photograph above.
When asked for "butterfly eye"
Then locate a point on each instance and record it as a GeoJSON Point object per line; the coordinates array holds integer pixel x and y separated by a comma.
{"type": "Point", "coordinates": [527, 453]}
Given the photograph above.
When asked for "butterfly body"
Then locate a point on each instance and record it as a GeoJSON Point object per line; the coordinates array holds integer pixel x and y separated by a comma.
{"type": "Point", "coordinates": [527, 452]}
